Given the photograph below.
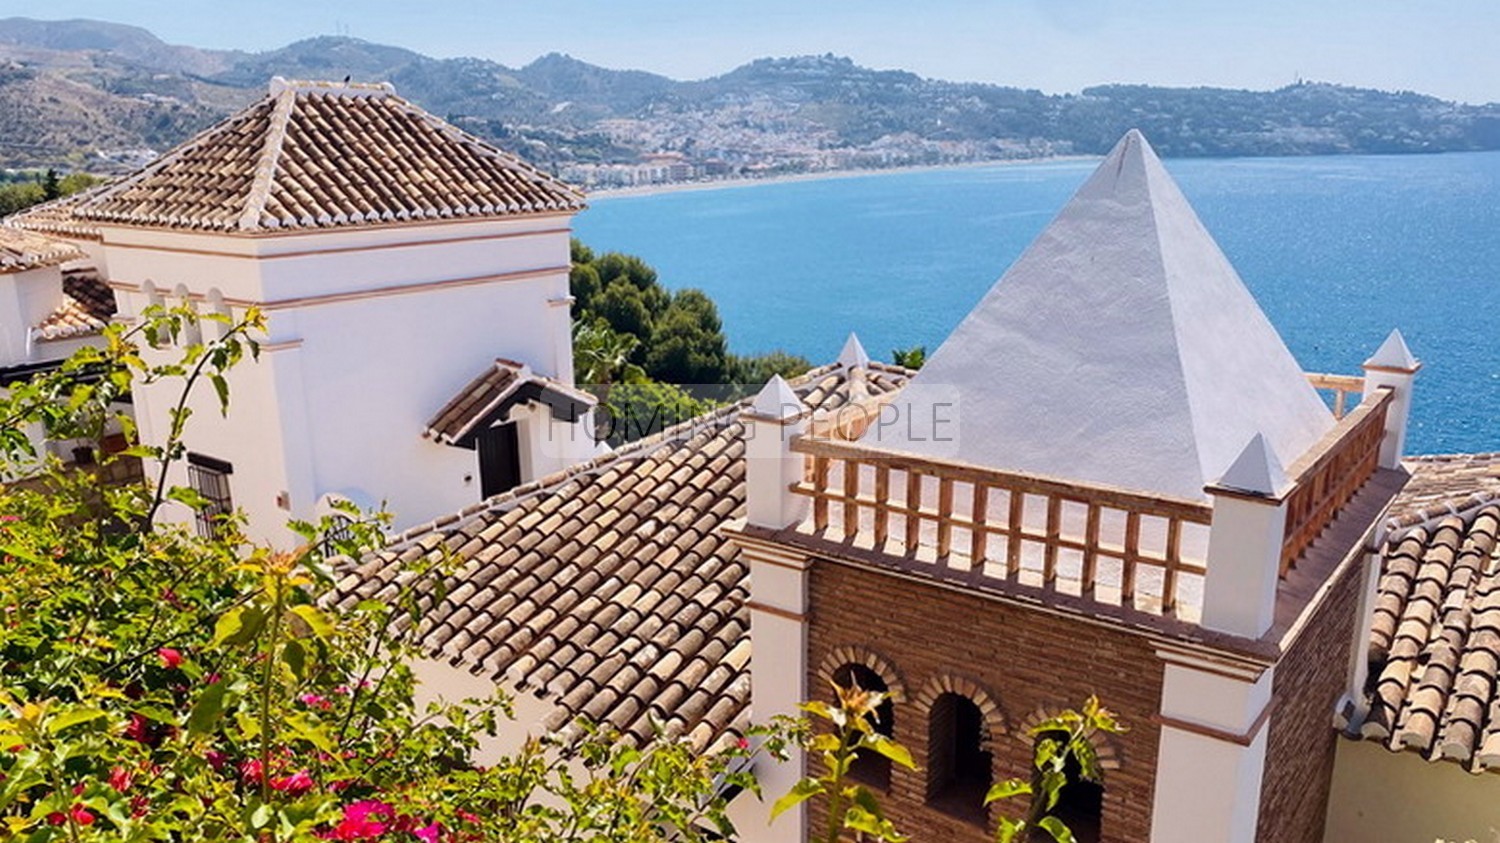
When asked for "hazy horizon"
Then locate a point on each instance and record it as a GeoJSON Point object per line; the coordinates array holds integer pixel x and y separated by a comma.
{"type": "Point", "coordinates": [1442, 48]}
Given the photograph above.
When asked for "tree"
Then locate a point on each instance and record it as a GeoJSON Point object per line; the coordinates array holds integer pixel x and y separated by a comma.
{"type": "Point", "coordinates": [680, 336]}
{"type": "Point", "coordinates": [51, 185]}
{"type": "Point", "coordinates": [910, 358]}
{"type": "Point", "coordinates": [159, 685]}
{"type": "Point", "coordinates": [687, 345]}
{"type": "Point", "coordinates": [637, 410]}
{"type": "Point", "coordinates": [753, 371]}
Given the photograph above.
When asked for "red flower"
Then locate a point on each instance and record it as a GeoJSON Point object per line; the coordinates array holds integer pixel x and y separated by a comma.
{"type": "Point", "coordinates": [215, 759]}
{"type": "Point", "coordinates": [56, 818]}
{"type": "Point", "coordinates": [251, 771]}
{"type": "Point", "coordinates": [742, 743]}
{"type": "Point", "coordinates": [296, 784]}
{"type": "Point", "coordinates": [170, 658]}
{"type": "Point", "coordinates": [119, 779]}
{"type": "Point", "coordinates": [360, 821]}
{"type": "Point", "coordinates": [139, 729]}
{"type": "Point", "coordinates": [81, 815]}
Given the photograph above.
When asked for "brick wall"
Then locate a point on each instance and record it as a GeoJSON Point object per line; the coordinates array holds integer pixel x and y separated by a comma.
{"type": "Point", "coordinates": [1024, 660]}
{"type": "Point", "coordinates": [1300, 750]}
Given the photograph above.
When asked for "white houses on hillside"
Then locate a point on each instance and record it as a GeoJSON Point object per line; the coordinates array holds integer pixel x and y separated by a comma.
{"type": "Point", "coordinates": [395, 258]}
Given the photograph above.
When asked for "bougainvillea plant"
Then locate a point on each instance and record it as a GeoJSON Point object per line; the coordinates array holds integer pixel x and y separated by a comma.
{"type": "Point", "coordinates": [160, 685]}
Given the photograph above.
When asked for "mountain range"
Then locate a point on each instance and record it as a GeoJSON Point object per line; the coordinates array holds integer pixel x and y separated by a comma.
{"type": "Point", "coordinates": [86, 94]}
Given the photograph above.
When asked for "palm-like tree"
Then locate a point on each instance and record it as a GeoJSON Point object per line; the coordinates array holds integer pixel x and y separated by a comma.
{"type": "Point", "coordinates": [601, 358]}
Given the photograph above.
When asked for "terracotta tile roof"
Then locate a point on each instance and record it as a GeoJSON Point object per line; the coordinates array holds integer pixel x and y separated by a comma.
{"type": "Point", "coordinates": [500, 386]}
{"type": "Point", "coordinates": [57, 217]}
{"type": "Point", "coordinates": [324, 155]}
{"type": "Point", "coordinates": [1434, 646]}
{"type": "Point", "coordinates": [1446, 483]}
{"type": "Point", "coordinates": [21, 250]}
{"type": "Point", "coordinates": [609, 590]}
{"type": "Point", "coordinates": [87, 308]}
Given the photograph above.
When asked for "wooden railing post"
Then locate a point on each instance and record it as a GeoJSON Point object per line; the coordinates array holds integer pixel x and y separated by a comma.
{"type": "Point", "coordinates": [1393, 366]}
{"type": "Point", "coordinates": [1245, 542]}
{"type": "Point", "coordinates": [771, 467]}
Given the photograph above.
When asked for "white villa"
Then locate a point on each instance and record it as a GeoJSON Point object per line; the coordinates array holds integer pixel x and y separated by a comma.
{"type": "Point", "coordinates": [1112, 478]}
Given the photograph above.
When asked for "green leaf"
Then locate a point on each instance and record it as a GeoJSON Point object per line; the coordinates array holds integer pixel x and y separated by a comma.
{"type": "Point", "coordinates": [238, 626]}
{"type": "Point", "coordinates": [295, 656]}
{"type": "Point", "coordinates": [72, 717]}
{"type": "Point", "coordinates": [316, 621]}
{"type": "Point", "coordinates": [892, 750]}
{"type": "Point", "coordinates": [1053, 781]}
{"type": "Point", "coordinates": [221, 388]}
{"type": "Point", "coordinates": [1007, 829]}
{"type": "Point", "coordinates": [800, 792]}
{"type": "Point", "coordinates": [207, 710]}
{"type": "Point", "coordinates": [1058, 829]}
{"type": "Point", "coordinates": [1007, 789]}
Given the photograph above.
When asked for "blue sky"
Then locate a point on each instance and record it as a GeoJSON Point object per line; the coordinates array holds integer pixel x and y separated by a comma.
{"type": "Point", "coordinates": [1443, 47]}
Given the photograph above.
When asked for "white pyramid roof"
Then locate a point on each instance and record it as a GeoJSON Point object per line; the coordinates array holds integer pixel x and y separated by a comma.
{"type": "Point", "coordinates": [1120, 348]}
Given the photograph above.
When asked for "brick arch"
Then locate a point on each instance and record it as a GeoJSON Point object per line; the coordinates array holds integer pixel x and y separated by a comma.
{"type": "Point", "coordinates": [1105, 746]}
{"type": "Point", "coordinates": [840, 656]}
{"type": "Point", "coordinates": [989, 707]}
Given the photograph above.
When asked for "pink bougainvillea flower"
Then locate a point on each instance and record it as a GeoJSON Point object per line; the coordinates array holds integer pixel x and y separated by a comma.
{"type": "Point", "coordinates": [316, 701]}
{"type": "Point", "coordinates": [296, 784]}
{"type": "Point", "coordinates": [428, 834]}
{"type": "Point", "coordinates": [251, 771]}
{"type": "Point", "coordinates": [742, 743]}
{"type": "Point", "coordinates": [139, 729]}
{"type": "Point", "coordinates": [119, 779]}
{"type": "Point", "coordinates": [170, 658]}
{"type": "Point", "coordinates": [468, 817]}
{"type": "Point", "coordinates": [215, 759]}
{"type": "Point", "coordinates": [361, 821]}
{"type": "Point", "coordinates": [81, 815]}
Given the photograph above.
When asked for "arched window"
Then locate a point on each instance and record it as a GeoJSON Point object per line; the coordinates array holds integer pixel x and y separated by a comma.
{"type": "Point", "coordinates": [1081, 803]}
{"type": "Point", "coordinates": [870, 769]}
{"type": "Point", "coordinates": [958, 763]}
{"type": "Point", "coordinates": [213, 329]}
{"type": "Point", "coordinates": [192, 332]}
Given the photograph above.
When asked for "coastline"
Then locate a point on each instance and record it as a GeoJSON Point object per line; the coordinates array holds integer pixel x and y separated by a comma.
{"type": "Point", "coordinates": [824, 175]}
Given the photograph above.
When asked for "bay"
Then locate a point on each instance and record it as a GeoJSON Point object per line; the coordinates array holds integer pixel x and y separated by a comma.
{"type": "Point", "coordinates": [1338, 250]}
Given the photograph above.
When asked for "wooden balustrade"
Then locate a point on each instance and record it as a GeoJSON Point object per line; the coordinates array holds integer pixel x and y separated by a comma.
{"type": "Point", "coordinates": [1103, 543]}
{"type": "Point", "coordinates": [985, 523]}
{"type": "Point", "coordinates": [1331, 472]}
{"type": "Point", "coordinates": [1342, 386]}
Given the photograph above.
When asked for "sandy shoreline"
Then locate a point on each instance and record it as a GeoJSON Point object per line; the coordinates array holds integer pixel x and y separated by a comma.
{"type": "Point", "coordinates": [825, 175]}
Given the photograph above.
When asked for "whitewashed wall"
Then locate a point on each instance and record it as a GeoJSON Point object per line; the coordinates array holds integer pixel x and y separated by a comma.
{"type": "Point", "coordinates": [1399, 797]}
{"type": "Point", "coordinates": [370, 333]}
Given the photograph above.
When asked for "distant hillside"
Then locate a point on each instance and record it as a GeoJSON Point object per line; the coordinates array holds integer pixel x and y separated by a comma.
{"type": "Point", "coordinates": [85, 93]}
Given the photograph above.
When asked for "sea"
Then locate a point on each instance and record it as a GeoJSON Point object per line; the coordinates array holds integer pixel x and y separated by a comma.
{"type": "Point", "coordinates": [1338, 250]}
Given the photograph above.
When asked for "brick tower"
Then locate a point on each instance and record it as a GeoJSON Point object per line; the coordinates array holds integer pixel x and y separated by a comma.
{"type": "Point", "coordinates": [1111, 479]}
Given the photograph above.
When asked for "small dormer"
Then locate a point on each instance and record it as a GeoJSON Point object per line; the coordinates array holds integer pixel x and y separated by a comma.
{"type": "Point", "coordinates": [49, 298]}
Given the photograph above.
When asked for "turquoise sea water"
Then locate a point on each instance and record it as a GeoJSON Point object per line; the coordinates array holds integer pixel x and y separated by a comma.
{"type": "Point", "coordinates": [1338, 250]}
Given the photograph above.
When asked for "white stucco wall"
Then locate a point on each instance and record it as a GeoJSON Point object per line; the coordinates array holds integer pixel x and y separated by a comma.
{"type": "Point", "coordinates": [26, 298]}
{"type": "Point", "coordinates": [370, 333]}
{"type": "Point", "coordinates": [1399, 797]}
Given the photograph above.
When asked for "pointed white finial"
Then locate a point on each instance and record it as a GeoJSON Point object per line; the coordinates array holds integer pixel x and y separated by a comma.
{"type": "Point", "coordinates": [853, 356]}
{"type": "Point", "coordinates": [1393, 354]}
{"type": "Point", "coordinates": [1256, 470]}
{"type": "Point", "coordinates": [776, 400]}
